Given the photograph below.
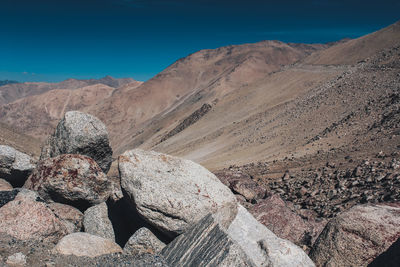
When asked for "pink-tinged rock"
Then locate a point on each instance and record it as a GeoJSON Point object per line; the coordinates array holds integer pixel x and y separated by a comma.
{"type": "Point", "coordinates": [26, 218]}
{"type": "Point", "coordinates": [5, 186]}
{"type": "Point", "coordinates": [357, 236]}
{"type": "Point", "coordinates": [242, 184]}
{"type": "Point", "coordinates": [71, 217]}
{"type": "Point", "coordinates": [280, 219]}
{"type": "Point", "coordinates": [84, 244]}
{"type": "Point", "coordinates": [75, 180]}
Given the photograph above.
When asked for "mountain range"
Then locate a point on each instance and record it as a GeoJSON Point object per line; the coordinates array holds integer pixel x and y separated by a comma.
{"type": "Point", "coordinates": [237, 104]}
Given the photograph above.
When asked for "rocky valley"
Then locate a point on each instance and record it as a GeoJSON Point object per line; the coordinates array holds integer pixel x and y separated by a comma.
{"type": "Point", "coordinates": [264, 154]}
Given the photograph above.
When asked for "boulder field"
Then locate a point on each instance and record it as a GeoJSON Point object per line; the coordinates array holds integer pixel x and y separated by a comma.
{"type": "Point", "coordinates": [171, 212]}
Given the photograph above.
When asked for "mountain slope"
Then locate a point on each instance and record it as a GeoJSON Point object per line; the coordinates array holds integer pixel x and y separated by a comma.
{"type": "Point", "coordinates": [203, 76]}
{"type": "Point", "coordinates": [279, 115]}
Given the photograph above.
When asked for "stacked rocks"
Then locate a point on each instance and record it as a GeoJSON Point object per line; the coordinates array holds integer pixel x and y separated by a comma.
{"type": "Point", "coordinates": [174, 211]}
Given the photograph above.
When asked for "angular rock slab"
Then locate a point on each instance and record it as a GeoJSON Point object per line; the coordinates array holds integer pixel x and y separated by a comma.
{"type": "Point", "coordinates": [143, 241]}
{"type": "Point", "coordinates": [357, 236]}
{"type": "Point", "coordinates": [171, 193]}
{"type": "Point", "coordinates": [71, 217]}
{"type": "Point", "coordinates": [5, 186]}
{"type": "Point", "coordinates": [75, 180]}
{"type": "Point", "coordinates": [263, 246]}
{"type": "Point", "coordinates": [25, 218]}
{"type": "Point", "coordinates": [80, 133]}
{"type": "Point", "coordinates": [206, 244]}
{"type": "Point", "coordinates": [84, 244]}
{"type": "Point", "coordinates": [96, 222]}
{"type": "Point", "coordinates": [15, 166]}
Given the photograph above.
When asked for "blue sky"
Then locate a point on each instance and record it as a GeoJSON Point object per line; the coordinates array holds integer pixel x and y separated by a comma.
{"type": "Point", "coordinates": [52, 40]}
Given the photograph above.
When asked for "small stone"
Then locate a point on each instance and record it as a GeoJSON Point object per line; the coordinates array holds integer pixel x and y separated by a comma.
{"type": "Point", "coordinates": [143, 241]}
{"type": "Point", "coordinates": [17, 259]}
{"type": "Point", "coordinates": [84, 244]}
{"type": "Point", "coordinates": [96, 222]}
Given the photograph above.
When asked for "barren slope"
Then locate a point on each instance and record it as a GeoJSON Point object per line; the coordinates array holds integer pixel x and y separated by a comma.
{"type": "Point", "coordinates": [276, 116]}
{"type": "Point", "coordinates": [203, 76]}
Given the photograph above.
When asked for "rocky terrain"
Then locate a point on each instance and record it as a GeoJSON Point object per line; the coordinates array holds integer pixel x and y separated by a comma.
{"type": "Point", "coordinates": [303, 142]}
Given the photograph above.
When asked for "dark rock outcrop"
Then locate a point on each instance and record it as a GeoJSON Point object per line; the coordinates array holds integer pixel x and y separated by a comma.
{"type": "Point", "coordinates": [215, 241]}
{"type": "Point", "coordinates": [7, 196]}
{"type": "Point", "coordinates": [205, 244]}
{"type": "Point", "coordinates": [194, 117]}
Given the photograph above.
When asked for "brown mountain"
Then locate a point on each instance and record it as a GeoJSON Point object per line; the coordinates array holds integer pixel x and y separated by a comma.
{"type": "Point", "coordinates": [15, 91]}
{"type": "Point", "coordinates": [134, 114]}
{"type": "Point", "coordinates": [283, 113]}
{"type": "Point", "coordinates": [246, 103]}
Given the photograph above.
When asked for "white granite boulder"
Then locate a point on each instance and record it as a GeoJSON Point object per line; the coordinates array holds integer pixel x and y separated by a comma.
{"type": "Point", "coordinates": [171, 193]}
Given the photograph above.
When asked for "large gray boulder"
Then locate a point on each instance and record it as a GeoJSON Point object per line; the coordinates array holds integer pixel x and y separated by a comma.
{"type": "Point", "coordinates": [75, 180]}
{"type": "Point", "coordinates": [84, 244]}
{"type": "Point", "coordinates": [15, 166]}
{"type": "Point", "coordinates": [143, 241]}
{"type": "Point", "coordinates": [26, 218]}
{"type": "Point", "coordinates": [215, 241]}
{"type": "Point", "coordinates": [96, 222]}
{"type": "Point", "coordinates": [357, 236]}
{"type": "Point", "coordinates": [262, 245]}
{"type": "Point", "coordinates": [80, 133]}
{"type": "Point", "coordinates": [171, 193]}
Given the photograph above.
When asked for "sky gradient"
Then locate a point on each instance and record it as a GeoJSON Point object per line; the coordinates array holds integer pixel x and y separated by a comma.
{"type": "Point", "coordinates": [52, 40]}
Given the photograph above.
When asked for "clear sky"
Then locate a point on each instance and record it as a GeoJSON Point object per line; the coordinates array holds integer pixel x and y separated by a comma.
{"type": "Point", "coordinates": [52, 40]}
